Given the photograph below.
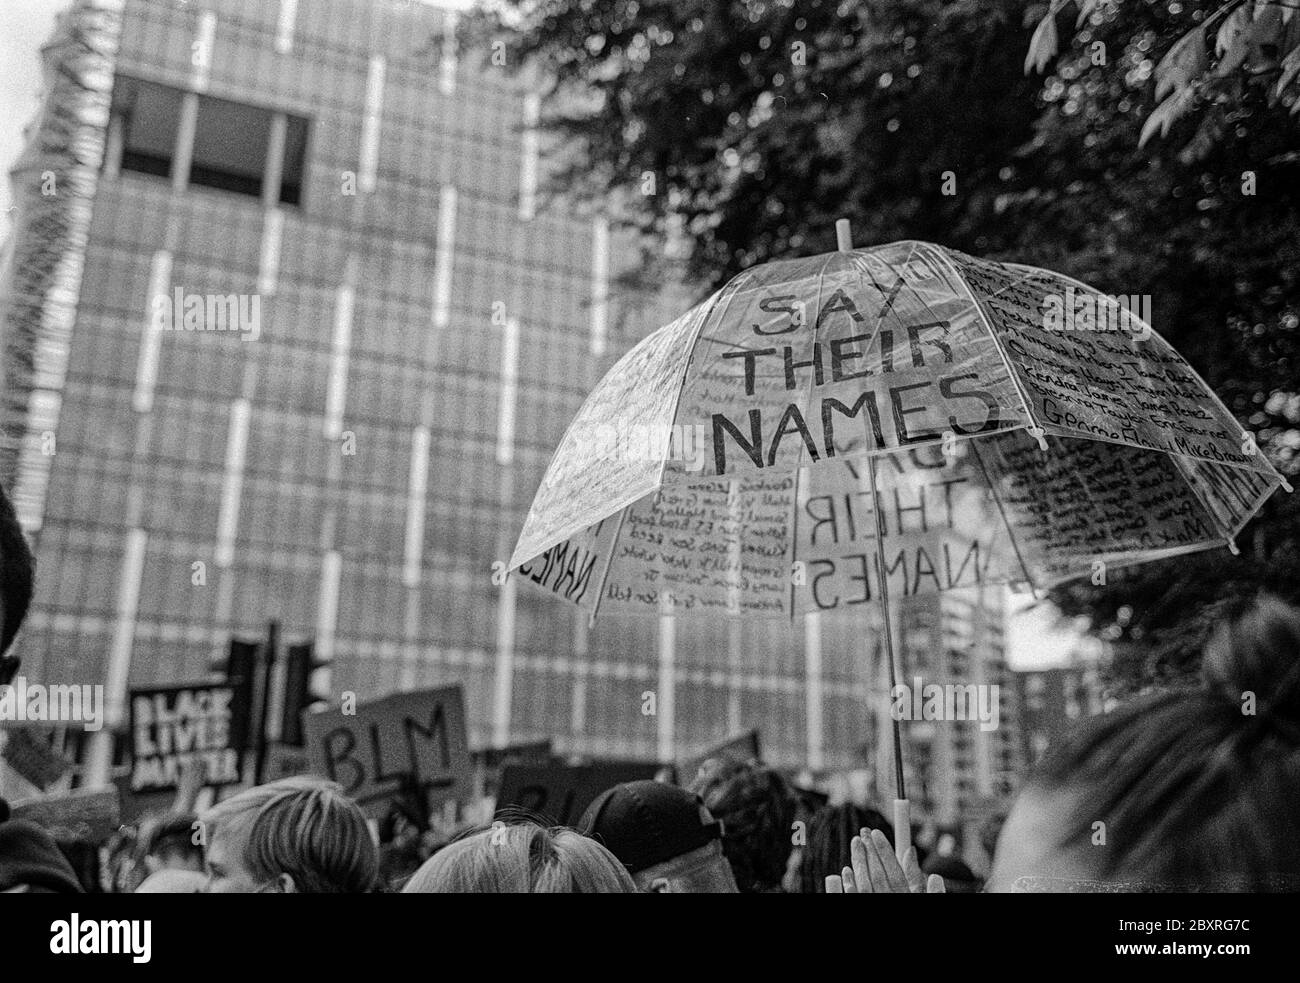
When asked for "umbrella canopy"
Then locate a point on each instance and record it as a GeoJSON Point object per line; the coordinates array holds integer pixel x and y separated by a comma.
{"type": "Point", "coordinates": [967, 422]}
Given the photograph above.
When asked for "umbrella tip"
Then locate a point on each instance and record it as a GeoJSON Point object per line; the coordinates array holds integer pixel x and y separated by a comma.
{"type": "Point", "coordinates": [1040, 435]}
{"type": "Point", "coordinates": [1233, 548]}
{"type": "Point", "coordinates": [1286, 486]}
{"type": "Point", "coordinates": [843, 237]}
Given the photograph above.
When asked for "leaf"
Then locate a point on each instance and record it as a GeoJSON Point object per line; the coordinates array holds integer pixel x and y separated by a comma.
{"type": "Point", "coordinates": [1290, 68]}
{"type": "Point", "coordinates": [1164, 115]}
{"type": "Point", "coordinates": [1186, 60]}
{"type": "Point", "coordinates": [1232, 42]}
{"type": "Point", "coordinates": [1044, 44]}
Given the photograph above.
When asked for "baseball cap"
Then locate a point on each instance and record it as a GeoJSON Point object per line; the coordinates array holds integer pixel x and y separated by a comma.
{"type": "Point", "coordinates": [646, 823]}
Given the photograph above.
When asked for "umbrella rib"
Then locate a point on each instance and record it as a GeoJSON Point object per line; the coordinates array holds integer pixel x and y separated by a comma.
{"type": "Point", "coordinates": [1229, 536]}
{"type": "Point", "coordinates": [974, 446]}
{"type": "Point", "coordinates": [1035, 428]}
{"type": "Point", "coordinates": [613, 545]}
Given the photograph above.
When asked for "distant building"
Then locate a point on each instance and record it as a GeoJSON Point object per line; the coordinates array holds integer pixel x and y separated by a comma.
{"type": "Point", "coordinates": [958, 769]}
{"type": "Point", "coordinates": [1051, 700]}
{"type": "Point", "coordinates": [290, 333]}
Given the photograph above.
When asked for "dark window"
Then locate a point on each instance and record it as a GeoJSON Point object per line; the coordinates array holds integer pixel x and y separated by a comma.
{"type": "Point", "coordinates": [231, 140]}
{"type": "Point", "coordinates": [150, 115]}
{"type": "Point", "coordinates": [230, 146]}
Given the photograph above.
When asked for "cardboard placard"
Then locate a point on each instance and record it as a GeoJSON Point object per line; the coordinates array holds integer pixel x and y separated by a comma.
{"type": "Point", "coordinates": [559, 794]}
{"type": "Point", "coordinates": [744, 746]}
{"type": "Point", "coordinates": [391, 746]}
{"type": "Point", "coordinates": [27, 751]}
{"type": "Point", "coordinates": [171, 725]}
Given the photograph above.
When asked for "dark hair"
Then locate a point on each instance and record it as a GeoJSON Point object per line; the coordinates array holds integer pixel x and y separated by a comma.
{"type": "Point", "coordinates": [757, 810]}
{"type": "Point", "coordinates": [17, 570]}
{"type": "Point", "coordinates": [830, 833]}
{"type": "Point", "coordinates": [172, 839]}
{"type": "Point", "coordinates": [1197, 787]}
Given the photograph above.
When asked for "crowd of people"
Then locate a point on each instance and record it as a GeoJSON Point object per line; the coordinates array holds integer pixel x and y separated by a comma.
{"type": "Point", "coordinates": [1184, 789]}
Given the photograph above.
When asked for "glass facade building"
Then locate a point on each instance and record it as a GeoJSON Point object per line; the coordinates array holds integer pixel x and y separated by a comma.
{"type": "Point", "coordinates": [318, 337]}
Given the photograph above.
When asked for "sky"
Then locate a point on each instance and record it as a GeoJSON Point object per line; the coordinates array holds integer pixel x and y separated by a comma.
{"type": "Point", "coordinates": [1032, 641]}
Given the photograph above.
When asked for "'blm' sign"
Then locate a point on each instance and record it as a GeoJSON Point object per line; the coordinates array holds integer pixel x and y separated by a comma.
{"type": "Point", "coordinates": [411, 742]}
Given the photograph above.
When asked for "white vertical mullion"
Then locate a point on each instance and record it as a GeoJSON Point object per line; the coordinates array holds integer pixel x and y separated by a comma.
{"type": "Point", "coordinates": [284, 27]}
{"type": "Point", "coordinates": [336, 394]}
{"type": "Point", "coordinates": [417, 486]}
{"type": "Point", "coordinates": [327, 608]}
{"type": "Point", "coordinates": [370, 126]}
{"type": "Point", "coordinates": [813, 689]}
{"type": "Point", "coordinates": [447, 66]}
{"type": "Point", "coordinates": [99, 758]}
{"type": "Point", "coordinates": [666, 697]}
{"type": "Point", "coordinates": [509, 392]}
{"type": "Point", "coordinates": [146, 373]}
{"type": "Point", "coordinates": [599, 284]}
{"type": "Point", "coordinates": [268, 262]}
{"type": "Point", "coordinates": [505, 668]}
{"type": "Point", "coordinates": [528, 158]}
{"type": "Point", "coordinates": [445, 256]}
{"type": "Point", "coordinates": [233, 480]}
{"type": "Point", "coordinates": [201, 52]}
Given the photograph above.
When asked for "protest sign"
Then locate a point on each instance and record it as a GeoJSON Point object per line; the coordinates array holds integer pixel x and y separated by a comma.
{"type": "Point", "coordinates": [395, 745]}
{"type": "Point", "coordinates": [744, 746]}
{"type": "Point", "coordinates": [27, 751]}
{"type": "Point", "coordinates": [172, 725]}
{"type": "Point", "coordinates": [560, 793]}
{"type": "Point", "coordinates": [89, 814]}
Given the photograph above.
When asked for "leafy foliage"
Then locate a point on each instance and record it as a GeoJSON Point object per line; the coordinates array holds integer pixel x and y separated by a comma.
{"type": "Point", "coordinates": [747, 128]}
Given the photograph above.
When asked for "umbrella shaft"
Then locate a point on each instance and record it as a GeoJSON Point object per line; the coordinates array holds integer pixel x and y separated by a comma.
{"type": "Point", "coordinates": [883, 587]}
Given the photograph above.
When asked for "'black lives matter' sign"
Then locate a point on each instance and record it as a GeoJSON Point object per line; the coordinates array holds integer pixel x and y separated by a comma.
{"type": "Point", "coordinates": [174, 725]}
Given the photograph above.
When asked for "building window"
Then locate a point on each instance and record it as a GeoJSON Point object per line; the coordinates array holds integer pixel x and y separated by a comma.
{"type": "Point", "coordinates": [232, 142]}
{"type": "Point", "coordinates": [149, 116]}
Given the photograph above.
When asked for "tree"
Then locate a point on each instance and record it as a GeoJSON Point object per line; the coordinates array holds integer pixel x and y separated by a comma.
{"type": "Point", "coordinates": [759, 123]}
{"type": "Point", "coordinates": [1229, 49]}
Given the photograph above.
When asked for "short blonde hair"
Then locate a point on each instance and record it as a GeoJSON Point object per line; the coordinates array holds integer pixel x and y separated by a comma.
{"type": "Point", "coordinates": [304, 827]}
{"type": "Point", "coordinates": [522, 858]}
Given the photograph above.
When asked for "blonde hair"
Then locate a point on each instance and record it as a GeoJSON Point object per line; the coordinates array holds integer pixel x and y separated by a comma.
{"type": "Point", "coordinates": [304, 827]}
{"type": "Point", "coordinates": [523, 858]}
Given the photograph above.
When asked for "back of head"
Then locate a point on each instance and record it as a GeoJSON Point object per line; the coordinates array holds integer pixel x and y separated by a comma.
{"type": "Point", "coordinates": [522, 858]}
{"type": "Point", "coordinates": [172, 881]}
{"type": "Point", "coordinates": [662, 834]}
{"type": "Point", "coordinates": [830, 834]}
{"type": "Point", "coordinates": [17, 571]}
{"type": "Point", "coordinates": [30, 861]}
{"type": "Point", "coordinates": [169, 841]}
{"type": "Point", "coordinates": [756, 807]}
{"type": "Point", "coordinates": [1196, 787]}
{"type": "Point", "coordinates": [304, 827]}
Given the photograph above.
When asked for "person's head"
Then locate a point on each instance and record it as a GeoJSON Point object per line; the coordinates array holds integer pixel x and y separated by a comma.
{"type": "Point", "coordinates": [170, 844]}
{"type": "Point", "coordinates": [756, 807]}
{"type": "Point", "coordinates": [299, 834]}
{"type": "Point", "coordinates": [30, 860]}
{"type": "Point", "coordinates": [1180, 790]}
{"type": "Point", "coordinates": [830, 835]}
{"type": "Point", "coordinates": [663, 835]}
{"type": "Point", "coordinates": [17, 571]}
{"type": "Point", "coordinates": [521, 858]}
{"type": "Point", "coordinates": [172, 880]}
